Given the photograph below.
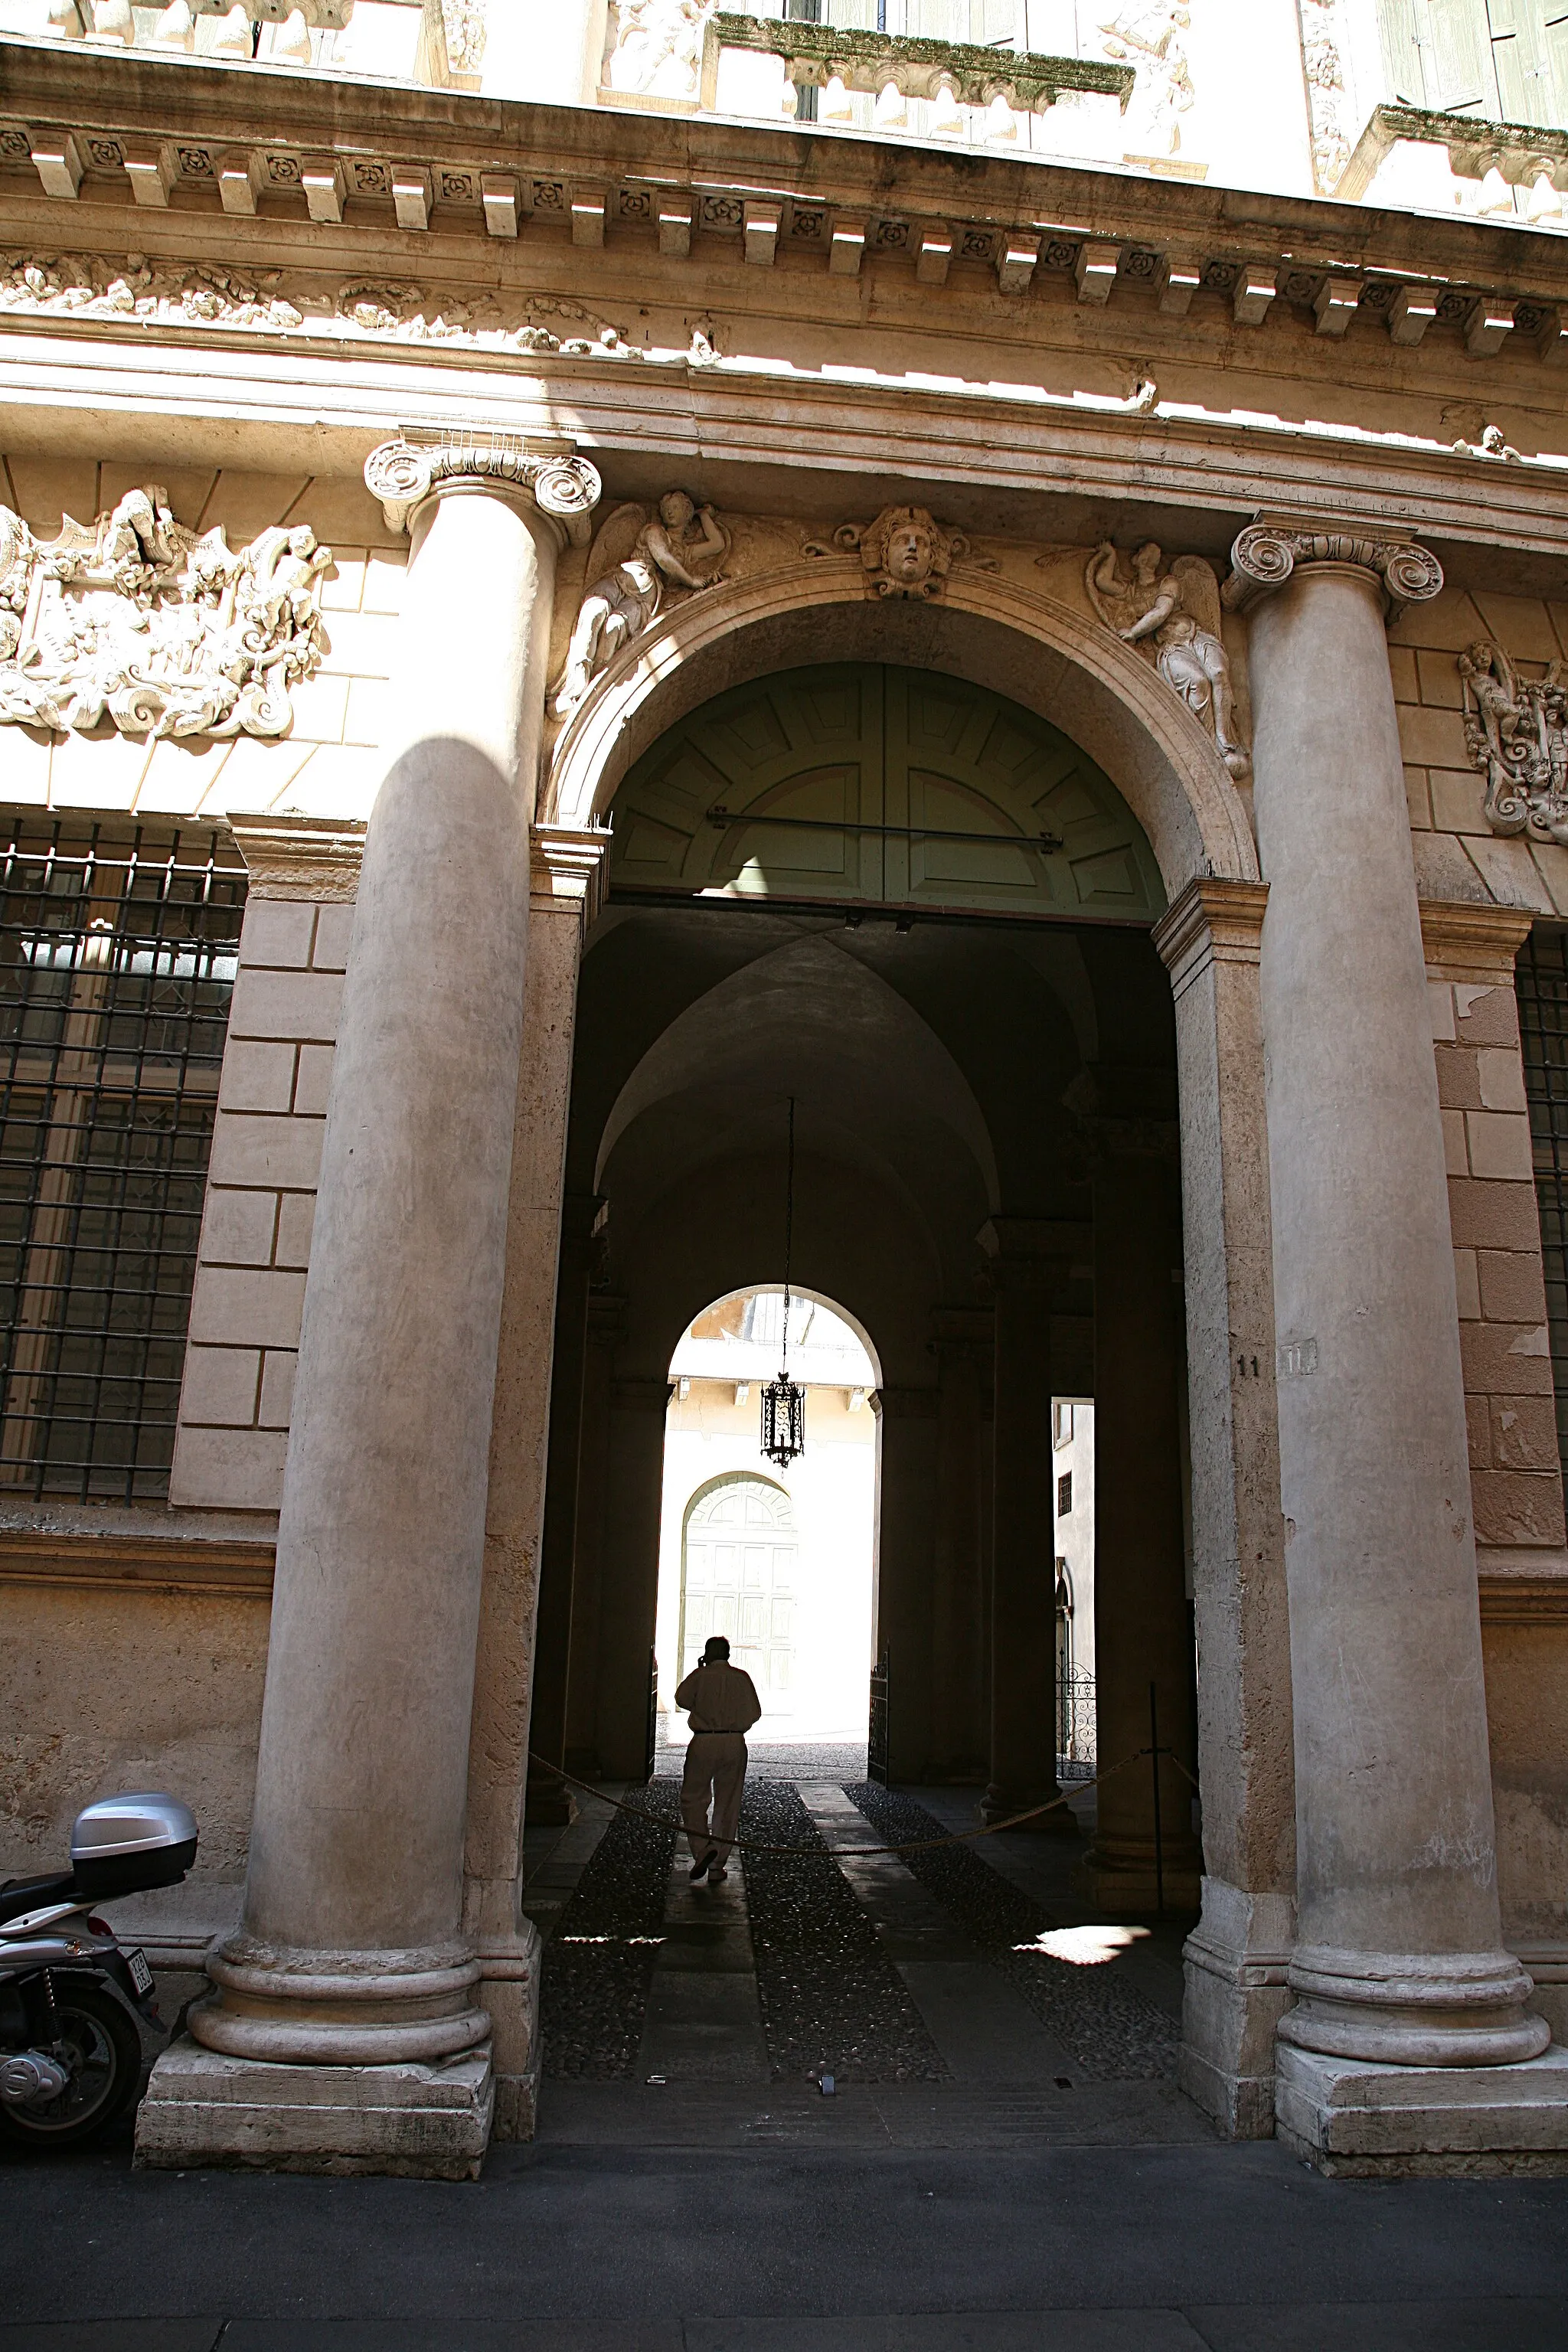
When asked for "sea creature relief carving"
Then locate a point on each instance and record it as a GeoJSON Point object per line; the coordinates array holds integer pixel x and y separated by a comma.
{"type": "Point", "coordinates": [1516, 731]}
{"type": "Point", "coordinates": [637, 560]}
{"type": "Point", "coordinates": [1171, 612]}
{"type": "Point", "coordinates": [163, 630]}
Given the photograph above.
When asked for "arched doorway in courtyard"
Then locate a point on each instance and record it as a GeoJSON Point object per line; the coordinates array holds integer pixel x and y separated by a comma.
{"type": "Point", "coordinates": [778, 1558]}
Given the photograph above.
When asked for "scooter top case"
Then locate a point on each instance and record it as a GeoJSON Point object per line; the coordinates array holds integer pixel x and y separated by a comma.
{"type": "Point", "coordinates": [122, 1845]}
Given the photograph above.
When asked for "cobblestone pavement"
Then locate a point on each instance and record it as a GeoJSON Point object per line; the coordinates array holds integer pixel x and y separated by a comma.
{"type": "Point", "coordinates": [832, 2001]}
{"type": "Point", "coordinates": [784, 1759]}
{"type": "Point", "coordinates": [599, 1962]}
{"type": "Point", "coordinates": [1114, 2032]}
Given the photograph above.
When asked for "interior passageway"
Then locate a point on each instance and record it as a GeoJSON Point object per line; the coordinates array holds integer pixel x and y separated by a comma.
{"type": "Point", "coordinates": [918, 913]}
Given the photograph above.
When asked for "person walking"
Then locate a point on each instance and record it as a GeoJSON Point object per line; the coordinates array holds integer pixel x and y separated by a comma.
{"type": "Point", "coordinates": [722, 1705]}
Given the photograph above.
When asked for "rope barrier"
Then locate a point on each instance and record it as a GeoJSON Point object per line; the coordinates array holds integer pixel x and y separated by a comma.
{"type": "Point", "coordinates": [852, 1853]}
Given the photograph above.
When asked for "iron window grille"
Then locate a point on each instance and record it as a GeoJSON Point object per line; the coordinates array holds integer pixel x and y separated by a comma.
{"type": "Point", "coordinates": [1541, 983]}
{"type": "Point", "coordinates": [118, 945]}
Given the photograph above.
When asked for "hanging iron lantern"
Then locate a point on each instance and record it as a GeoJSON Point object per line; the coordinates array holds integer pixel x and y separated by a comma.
{"type": "Point", "coordinates": [784, 1400]}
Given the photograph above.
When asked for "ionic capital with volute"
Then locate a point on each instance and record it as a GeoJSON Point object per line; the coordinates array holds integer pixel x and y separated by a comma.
{"type": "Point", "coordinates": [557, 485]}
{"type": "Point", "coordinates": [1274, 548]}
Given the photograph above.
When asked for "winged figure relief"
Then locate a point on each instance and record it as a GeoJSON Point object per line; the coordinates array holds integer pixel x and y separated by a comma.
{"type": "Point", "coordinates": [636, 560]}
{"type": "Point", "coordinates": [1171, 612]}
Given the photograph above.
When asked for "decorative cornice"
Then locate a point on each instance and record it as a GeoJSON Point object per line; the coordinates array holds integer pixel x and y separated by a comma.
{"type": "Point", "coordinates": [1478, 940]}
{"type": "Point", "coordinates": [568, 870]}
{"type": "Point", "coordinates": [1268, 551]}
{"type": "Point", "coordinates": [301, 856]}
{"type": "Point", "coordinates": [240, 1572]}
{"type": "Point", "coordinates": [1510, 1599]}
{"type": "Point", "coordinates": [403, 473]}
{"type": "Point", "coordinates": [1210, 921]}
{"type": "Point", "coordinates": [917, 68]}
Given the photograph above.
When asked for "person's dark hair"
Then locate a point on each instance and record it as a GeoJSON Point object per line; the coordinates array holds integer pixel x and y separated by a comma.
{"type": "Point", "coordinates": [716, 1646]}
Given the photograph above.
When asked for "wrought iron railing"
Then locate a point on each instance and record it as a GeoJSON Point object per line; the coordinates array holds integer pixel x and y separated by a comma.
{"type": "Point", "coordinates": [1076, 1746]}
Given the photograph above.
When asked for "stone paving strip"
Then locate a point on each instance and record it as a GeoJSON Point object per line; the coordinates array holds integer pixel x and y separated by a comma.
{"type": "Point", "coordinates": [1112, 2031]}
{"type": "Point", "coordinates": [702, 2023]}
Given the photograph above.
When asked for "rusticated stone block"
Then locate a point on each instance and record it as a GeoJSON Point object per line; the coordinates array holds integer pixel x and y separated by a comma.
{"type": "Point", "coordinates": [1516, 1506]}
{"type": "Point", "coordinates": [1505, 1359]}
{"type": "Point", "coordinates": [1511, 1287]}
{"type": "Point", "coordinates": [1493, 1216]}
{"type": "Point", "coordinates": [1524, 1433]}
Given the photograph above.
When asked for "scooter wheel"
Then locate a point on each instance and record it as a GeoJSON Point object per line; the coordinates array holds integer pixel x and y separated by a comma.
{"type": "Point", "coordinates": [96, 2040]}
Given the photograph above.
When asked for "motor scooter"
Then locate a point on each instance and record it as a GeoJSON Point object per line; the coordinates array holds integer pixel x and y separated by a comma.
{"type": "Point", "coordinates": [70, 1996]}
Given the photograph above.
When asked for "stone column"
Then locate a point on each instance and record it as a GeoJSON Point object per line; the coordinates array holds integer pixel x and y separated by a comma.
{"type": "Point", "coordinates": [514, 1628]}
{"type": "Point", "coordinates": [1236, 1955]}
{"type": "Point", "coordinates": [629, 1600]}
{"type": "Point", "coordinates": [348, 2032]}
{"type": "Point", "coordinates": [964, 1343]}
{"type": "Point", "coordinates": [1398, 1962]}
{"type": "Point", "coordinates": [1029, 1266]}
{"type": "Point", "coordinates": [606, 1329]}
{"type": "Point", "coordinates": [906, 1514]}
{"type": "Point", "coordinates": [549, 1801]}
{"type": "Point", "coordinates": [1141, 1632]}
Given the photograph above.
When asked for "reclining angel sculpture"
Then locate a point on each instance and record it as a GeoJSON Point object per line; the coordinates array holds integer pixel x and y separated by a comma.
{"type": "Point", "coordinates": [635, 562]}
{"type": "Point", "coordinates": [1172, 613]}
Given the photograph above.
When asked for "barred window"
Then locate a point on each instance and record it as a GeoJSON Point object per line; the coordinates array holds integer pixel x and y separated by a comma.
{"type": "Point", "coordinates": [1541, 980]}
{"type": "Point", "coordinates": [118, 945]}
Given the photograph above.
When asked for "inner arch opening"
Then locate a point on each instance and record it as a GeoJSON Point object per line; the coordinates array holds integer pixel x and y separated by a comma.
{"type": "Point", "coordinates": [781, 1561]}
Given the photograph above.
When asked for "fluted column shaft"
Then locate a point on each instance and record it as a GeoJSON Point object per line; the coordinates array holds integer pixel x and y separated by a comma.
{"type": "Point", "coordinates": [351, 1947]}
{"type": "Point", "coordinates": [1398, 1955]}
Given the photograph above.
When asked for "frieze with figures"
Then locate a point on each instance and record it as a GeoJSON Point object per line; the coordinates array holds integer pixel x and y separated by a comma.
{"type": "Point", "coordinates": [164, 630]}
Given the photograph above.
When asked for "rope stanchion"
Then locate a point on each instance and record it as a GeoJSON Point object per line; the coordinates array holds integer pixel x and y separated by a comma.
{"type": "Point", "coordinates": [847, 1853]}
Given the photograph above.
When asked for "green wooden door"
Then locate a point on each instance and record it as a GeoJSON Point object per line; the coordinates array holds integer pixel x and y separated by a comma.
{"type": "Point", "coordinates": [863, 784]}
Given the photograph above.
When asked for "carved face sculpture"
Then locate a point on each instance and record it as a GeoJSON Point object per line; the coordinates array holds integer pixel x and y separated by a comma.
{"type": "Point", "coordinates": [1146, 564]}
{"type": "Point", "coordinates": [909, 554]}
{"type": "Point", "coordinates": [675, 511]}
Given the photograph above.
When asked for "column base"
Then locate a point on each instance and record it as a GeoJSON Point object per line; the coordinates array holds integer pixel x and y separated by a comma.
{"type": "Point", "coordinates": [1235, 1963]}
{"type": "Point", "coordinates": [1000, 1804]}
{"type": "Point", "coordinates": [420, 2123]}
{"type": "Point", "coordinates": [550, 1806]}
{"type": "Point", "coordinates": [1356, 2121]}
{"type": "Point", "coordinates": [1124, 1887]}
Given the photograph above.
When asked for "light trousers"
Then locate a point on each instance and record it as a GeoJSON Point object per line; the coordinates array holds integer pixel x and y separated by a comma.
{"type": "Point", "coordinates": [714, 1775]}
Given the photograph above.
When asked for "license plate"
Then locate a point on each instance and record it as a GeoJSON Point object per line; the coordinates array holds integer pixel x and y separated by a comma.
{"type": "Point", "coordinates": [140, 1974]}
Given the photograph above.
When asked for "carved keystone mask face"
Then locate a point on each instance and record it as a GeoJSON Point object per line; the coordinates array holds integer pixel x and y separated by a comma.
{"type": "Point", "coordinates": [908, 553]}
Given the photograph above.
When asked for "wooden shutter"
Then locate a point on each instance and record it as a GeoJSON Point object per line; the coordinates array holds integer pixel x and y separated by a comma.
{"type": "Point", "coordinates": [1401, 50]}
{"type": "Point", "coordinates": [1554, 46]}
{"type": "Point", "coordinates": [1455, 55]}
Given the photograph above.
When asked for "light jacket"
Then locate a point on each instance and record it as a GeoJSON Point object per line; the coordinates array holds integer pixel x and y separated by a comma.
{"type": "Point", "coordinates": [719, 1698]}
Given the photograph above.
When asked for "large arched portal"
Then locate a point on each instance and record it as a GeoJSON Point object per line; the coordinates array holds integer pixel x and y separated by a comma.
{"type": "Point", "coordinates": [922, 911]}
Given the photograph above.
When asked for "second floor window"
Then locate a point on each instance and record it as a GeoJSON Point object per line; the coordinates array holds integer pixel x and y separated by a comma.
{"type": "Point", "coordinates": [117, 951]}
{"type": "Point", "coordinates": [1064, 1495]}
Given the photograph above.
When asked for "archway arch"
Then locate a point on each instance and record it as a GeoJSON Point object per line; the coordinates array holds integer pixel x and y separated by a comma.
{"type": "Point", "coordinates": [778, 1558]}
{"type": "Point", "coordinates": [1053, 661]}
